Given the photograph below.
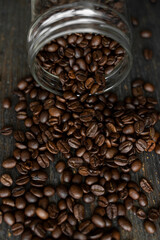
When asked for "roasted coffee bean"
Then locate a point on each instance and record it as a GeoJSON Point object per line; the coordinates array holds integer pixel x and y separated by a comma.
{"type": "Point", "coordinates": [125, 224]}
{"type": "Point", "coordinates": [141, 145]}
{"type": "Point", "coordinates": [92, 130]}
{"type": "Point", "coordinates": [9, 218]}
{"type": "Point", "coordinates": [135, 21]}
{"type": "Point", "coordinates": [75, 162]}
{"type": "Point", "coordinates": [6, 103]}
{"type": "Point", "coordinates": [60, 166]}
{"type": "Point", "coordinates": [9, 163]}
{"type": "Point", "coordinates": [97, 190]}
{"type": "Point", "coordinates": [41, 213]}
{"type": "Point", "coordinates": [20, 203]}
{"type": "Point", "coordinates": [141, 214]}
{"type": "Point", "coordinates": [148, 54]}
{"type": "Point", "coordinates": [146, 34]}
{"type": "Point", "coordinates": [75, 191]}
{"type": "Point", "coordinates": [53, 211]}
{"type": "Point", "coordinates": [149, 87]}
{"type": "Point", "coordinates": [17, 229]}
{"type": "Point", "coordinates": [146, 186]}
{"type": "Point", "coordinates": [133, 194]}
{"type": "Point", "coordinates": [5, 192]}
{"type": "Point", "coordinates": [30, 210]}
{"type": "Point", "coordinates": [88, 197]}
{"type": "Point", "coordinates": [98, 221]}
{"type": "Point", "coordinates": [143, 201]}
{"type": "Point", "coordinates": [125, 147]}
{"type": "Point", "coordinates": [111, 211]}
{"type": "Point", "coordinates": [6, 131]}
{"type": "Point", "coordinates": [18, 191]}
{"type": "Point", "coordinates": [149, 227]}
{"type": "Point", "coordinates": [62, 191]}
{"type": "Point", "coordinates": [30, 197]}
{"type": "Point", "coordinates": [6, 180]}
{"type": "Point", "coordinates": [79, 212]}
{"type": "Point", "coordinates": [48, 191]}
{"type": "Point", "coordinates": [153, 214]}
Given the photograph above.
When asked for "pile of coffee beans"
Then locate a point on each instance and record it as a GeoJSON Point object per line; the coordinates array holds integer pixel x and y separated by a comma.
{"type": "Point", "coordinates": [81, 61]}
{"type": "Point", "coordinates": [96, 138]}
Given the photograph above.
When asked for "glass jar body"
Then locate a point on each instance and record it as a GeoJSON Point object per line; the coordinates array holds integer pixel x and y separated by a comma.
{"type": "Point", "coordinates": [56, 18]}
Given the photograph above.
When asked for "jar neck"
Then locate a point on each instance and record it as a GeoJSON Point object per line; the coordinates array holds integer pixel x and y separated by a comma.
{"type": "Point", "coordinates": [78, 17]}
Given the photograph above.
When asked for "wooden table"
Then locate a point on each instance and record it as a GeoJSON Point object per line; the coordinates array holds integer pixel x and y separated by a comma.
{"type": "Point", "coordinates": [14, 23]}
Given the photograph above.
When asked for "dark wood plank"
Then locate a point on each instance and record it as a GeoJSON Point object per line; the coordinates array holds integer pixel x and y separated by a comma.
{"type": "Point", "coordinates": [14, 23]}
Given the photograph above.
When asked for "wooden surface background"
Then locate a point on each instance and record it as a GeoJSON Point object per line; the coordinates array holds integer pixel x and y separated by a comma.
{"type": "Point", "coordinates": [14, 23]}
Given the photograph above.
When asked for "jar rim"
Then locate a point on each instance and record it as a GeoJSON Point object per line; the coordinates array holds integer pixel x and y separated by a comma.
{"type": "Point", "coordinates": [39, 35]}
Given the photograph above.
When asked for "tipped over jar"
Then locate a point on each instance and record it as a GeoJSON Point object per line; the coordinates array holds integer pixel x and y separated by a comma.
{"type": "Point", "coordinates": [79, 43]}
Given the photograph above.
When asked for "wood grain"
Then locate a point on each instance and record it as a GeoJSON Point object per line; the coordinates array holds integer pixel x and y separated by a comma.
{"type": "Point", "coordinates": [14, 23]}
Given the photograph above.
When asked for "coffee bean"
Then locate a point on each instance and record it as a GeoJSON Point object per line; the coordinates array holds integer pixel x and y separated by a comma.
{"type": "Point", "coordinates": [9, 218]}
{"type": "Point", "coordinates": [136, 165]}
{"type": "Point", "coordinates": [62, 191]}
{"type": "Point", "coordinates": [143, 201]}
{"type": "Point", "coordinates": [133, 194]}
{"type": "Point", "coordinates": [79, 212]}
{"type": "Point", "coordinates": [139, 127]}
{"type": "Point", "coordinates": [146, 34]}
{"type": "Point", "coordinates": [135, 21]}
{"type": "Point", "coordinates": [30, 197]}
{"type": "Point", "coordinates": [48, 191]}
{"type": "Point", "coordinates": [141, 145]}
{"type": "Point", "coordinates": [6, 131]}
{"type": "Point", "coordinates": [98, 221]}
{"type": "Point", "coordinates": [148, 54]}
{"type": "Point", "coordinates": [43, 161]}
{"type": "Point", "coordinates": [42, 214]}
{"type": "Point", "coordinates": [75, 191]}
{"type": "Point", "coordinates": [75, 162]}
{"type": "Point", "coordinates": [97, 190]}
{"type": "Point", "coordinates": [125, 147]}
{"type": "Point", "coordinates": [153, 214]}
{"type": "Point", "coordinates": [20, 203]}
{"type": "Point", "coordinates": [146, 186]}
{"type": "Point", "coordinates": [30, 210]}
{"type": "Point", "coordinates": [149, 227]}
{"type": "Point", "coordinates": [5, 192]}
{"type": "Point", "coordinates": [6, 103]}
{"type": "Point", "coordinates": [60, 166]}
{"type": "Point", "coordinates": [17, 229]}
{"type": "Point", "coordinates": [9, 163]}
{"type": "Point", "coordinates": [6, 180]}
{"type": "Point", "coordinates": [125, 224]}
{"type": "Point", "coordinates": [141, 214]}
{"type": "Point", "coordinates": [149, 87]}
{"type": "Point", "coordinates": [111, 211]}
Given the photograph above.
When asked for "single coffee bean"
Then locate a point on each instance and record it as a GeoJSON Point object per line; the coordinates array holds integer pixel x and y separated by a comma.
{"type": "Point", "coordinates": [9, 163]}
{"type": "Point", "coordinates": [97, 190]}
{"type": "Point", "coordinates": [9, 218]}
{"type": "Point", "coordinates": [153, 214]}
{"type": "Point", "coordinates": [5, 192]}
{"type": "Point", "coordinates": [149, 227]}
{"type": "Point", "coordinates": [146, 34]}
{"type": "Point", "coordinates": [42, 214]}
{"type": "Point", "coordinates": [125, 224]}
{"type": "Point", "coordinates": [149, 87]}
{"type": "Point", "coordinates": [20, 203]}
{"type": "Point", "coordinates": [143, 201]}
{"type": "Point", "coordinates": [79, 212]}
{"type": "Point", "coordinates": [48, 191]}
{"type": "Point", "coordinates": [62, 191]}
{"type": "Point", "coordinates": [148, 54]}
{"type": "Point", "coordinates": [6, 130]}
{"type": "Point", "coordinates": [17, 229]}
{"type": "Point", "coordinates": [146, 186]}
{"type": "Point", "coordinates": [133, 194]}
{"type": "Point", "coordinates": [6, 103]}
{"type": "Point", "coordinates": [141, 214]}
{"type": "Point", "coordinates": [98, 221]}
{"type": "Point", "coordinates": [75, 191]}
{"type": "Point", "coordinates": [135, 21]}
{"type": "Point", "coordinates": [111, 211]}
{"type": "Point", "coordinates": [6, 180]}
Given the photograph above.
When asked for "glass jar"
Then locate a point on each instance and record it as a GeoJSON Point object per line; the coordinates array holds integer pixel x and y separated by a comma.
{"type": "Point", "coordinates": [52, 19]}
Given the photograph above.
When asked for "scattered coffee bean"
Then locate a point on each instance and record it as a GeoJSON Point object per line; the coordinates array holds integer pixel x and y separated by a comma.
{"type": "Point", "coordinates": [146, 34]}
{"type": "Point", "coordinates": [149, 87]}
{"type": "Point", "coordinates": [148, 54]}
{"type": "Point", "coordinates": [146, 186]}
{"type": "Point", "coordinates": [6, 103]}
{"type": "Point", "coordinates": [6, 180]}
{"type": "Point", "coordinates": [125, 224]}
{"type": "Point", "coordinates": [149, 227]}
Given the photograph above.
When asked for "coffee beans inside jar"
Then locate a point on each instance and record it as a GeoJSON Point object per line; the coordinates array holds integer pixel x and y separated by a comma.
{"type": "Point", "coordinates": [81, 61]}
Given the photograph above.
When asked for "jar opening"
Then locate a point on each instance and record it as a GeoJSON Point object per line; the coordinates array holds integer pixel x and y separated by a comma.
{"type": "Point", "coordinates": [81, 18]}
